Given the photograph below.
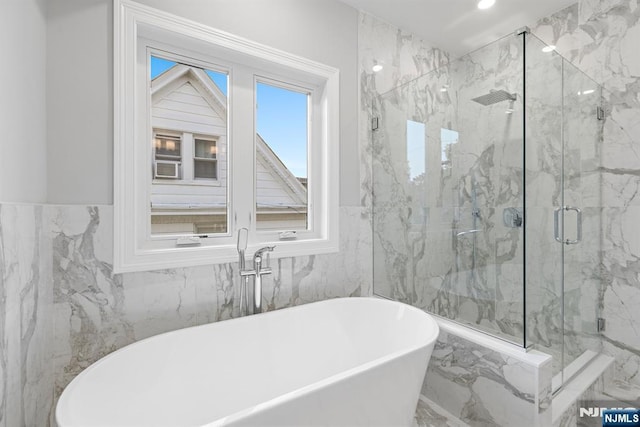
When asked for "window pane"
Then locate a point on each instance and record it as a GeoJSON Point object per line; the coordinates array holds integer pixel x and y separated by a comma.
{"type": "Point", "coordinates": [206, 149]}
{"type": "Point", "coordinates": [167, 146]}
{"type": "Point", "coordinates": [205, 169]}
{"type": "Point", "coordinates": [281, 158]}
{"type": "Point", "coordinates": [189, 120]}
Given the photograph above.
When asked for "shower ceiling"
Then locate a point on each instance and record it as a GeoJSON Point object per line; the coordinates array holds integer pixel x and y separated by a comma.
{"type": "Point", "coordinates": [458, 26]}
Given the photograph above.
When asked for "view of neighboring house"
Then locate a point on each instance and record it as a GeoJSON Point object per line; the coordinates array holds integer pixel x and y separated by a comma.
{"type": "Point", "coordinates": [190, 161]}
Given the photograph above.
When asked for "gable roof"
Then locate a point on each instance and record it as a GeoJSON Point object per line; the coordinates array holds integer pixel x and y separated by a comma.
{"type": "Point", "coordinates": [171, 79]}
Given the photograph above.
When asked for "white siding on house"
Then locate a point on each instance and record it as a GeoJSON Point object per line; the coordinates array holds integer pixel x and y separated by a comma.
{"type": "Point", "coordinates": [185, 106]}
{"type": "Point", "coordinates": [271, 189]}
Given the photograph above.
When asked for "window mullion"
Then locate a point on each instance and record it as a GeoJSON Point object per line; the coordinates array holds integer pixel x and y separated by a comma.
{"type": "Point", "coordinates": [187, 157]}
{"type": "Point", "coordinates": [243, 135]}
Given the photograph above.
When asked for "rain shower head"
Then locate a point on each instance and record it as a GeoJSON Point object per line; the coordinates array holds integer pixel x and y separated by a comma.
{"type": "Point", "coordinates": [495, 96]}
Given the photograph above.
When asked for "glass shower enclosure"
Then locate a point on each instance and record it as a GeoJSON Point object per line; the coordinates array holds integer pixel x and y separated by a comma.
{"type": "Point", "coordinates": [486, 201]}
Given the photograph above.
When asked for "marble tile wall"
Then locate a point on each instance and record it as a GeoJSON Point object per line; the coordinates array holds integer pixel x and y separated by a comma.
{"type": "Point", "coordinates": [26, 327]}
{"type": "Point", "coordinates": [601, 37]}
{"type": "Point", "coordinates": [404, 58]}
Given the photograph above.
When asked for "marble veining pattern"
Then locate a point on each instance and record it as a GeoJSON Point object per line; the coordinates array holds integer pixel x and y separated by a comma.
{"type": "Point", "coordinates": [26, 390]}
{"type": "Point", "coordinates": [481, 386]}
{"type": "Point", "coordinates": [4, 374]}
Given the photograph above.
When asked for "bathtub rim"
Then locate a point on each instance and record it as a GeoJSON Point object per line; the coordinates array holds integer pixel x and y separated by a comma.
{"type": "Point", "coordinates": [425, 343]}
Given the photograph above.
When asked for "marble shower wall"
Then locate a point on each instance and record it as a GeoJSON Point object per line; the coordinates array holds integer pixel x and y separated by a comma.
{"type": "Point", "coordinates": [601, 37]}
{"type": "Point", "coordinates": [439, 239]}
{"type": "Point", "coordinates": [97, 311]}
{"type": "Point", "coordinates": [26, 327]}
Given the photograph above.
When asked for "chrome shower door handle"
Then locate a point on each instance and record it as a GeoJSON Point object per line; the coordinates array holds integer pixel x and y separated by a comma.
{"type": "Point", "coordinates": [578, 238]}
{"type": "Point", "coordinates": [556, 228]}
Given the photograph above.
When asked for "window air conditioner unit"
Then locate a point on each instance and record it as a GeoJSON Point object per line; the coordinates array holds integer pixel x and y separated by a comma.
{"type": "Point", "coordinates": [167, 169]}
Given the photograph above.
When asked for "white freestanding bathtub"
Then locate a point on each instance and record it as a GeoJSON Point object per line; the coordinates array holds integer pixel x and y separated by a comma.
{"type": "Point", "coordinates": [346, 361]}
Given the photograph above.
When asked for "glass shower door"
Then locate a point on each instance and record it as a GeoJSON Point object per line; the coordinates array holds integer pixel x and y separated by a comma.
{"type": "Point", "coordinates": [563, 223]}
{"type": "Point", "coordinates": [579, 218]}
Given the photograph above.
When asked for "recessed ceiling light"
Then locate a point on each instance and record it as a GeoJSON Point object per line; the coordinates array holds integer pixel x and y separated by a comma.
{"type": "Point", "coordinates": [548, 49]}
{"type": "Point", "coordinates": [508, 111]}
{"type": "Point", "coordinates": [376, 68]}
{"type": "Point", "coordinates": [485, 4]}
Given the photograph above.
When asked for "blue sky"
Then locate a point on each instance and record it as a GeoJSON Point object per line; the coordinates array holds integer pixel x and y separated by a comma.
{"type": "Point", "coordinates": [281, 117]}
{"type": "Point", "coordinates": [282, 123]}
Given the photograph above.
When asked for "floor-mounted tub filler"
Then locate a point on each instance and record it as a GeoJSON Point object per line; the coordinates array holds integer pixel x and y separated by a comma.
{"type": "Point", "coordinates": [345, 361]}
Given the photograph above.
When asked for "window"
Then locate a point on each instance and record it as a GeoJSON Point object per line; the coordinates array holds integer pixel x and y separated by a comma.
{"type": "Point", "coordinates": [205, 165]}
{"type": "Point", "coordinates": [242, 135]}
{"type": "Point", "coordinates": [168, 156]}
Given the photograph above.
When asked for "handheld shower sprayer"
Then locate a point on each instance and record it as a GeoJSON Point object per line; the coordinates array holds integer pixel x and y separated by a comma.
{"type": "Point", "coordinates": [243, 237]}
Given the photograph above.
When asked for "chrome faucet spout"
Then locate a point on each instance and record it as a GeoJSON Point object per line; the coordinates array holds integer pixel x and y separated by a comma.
{"type": "Point", "coordinates": [257, 280]}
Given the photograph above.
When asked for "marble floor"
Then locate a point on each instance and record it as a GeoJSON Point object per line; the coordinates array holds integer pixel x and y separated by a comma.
{"type": "Point", "coordinates": [429, 414]}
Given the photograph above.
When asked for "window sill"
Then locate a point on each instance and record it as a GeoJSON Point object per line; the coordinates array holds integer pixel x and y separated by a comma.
{"type": "Point", "coordinates": [199, 183]}
{"type": "Point", "coordinates": [179, 257]}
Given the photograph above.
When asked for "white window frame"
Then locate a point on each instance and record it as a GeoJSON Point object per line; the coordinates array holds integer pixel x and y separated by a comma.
{"type": "Point", "coordinates": [134, 247]}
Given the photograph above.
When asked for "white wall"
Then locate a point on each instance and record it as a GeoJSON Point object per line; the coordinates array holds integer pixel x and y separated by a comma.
{"type": "Point", "coordinates": [23, 150]}
{"type": "Point", "coordinates": [79, 79]}
{"type": "Point", "coordinates": [80, 101]}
